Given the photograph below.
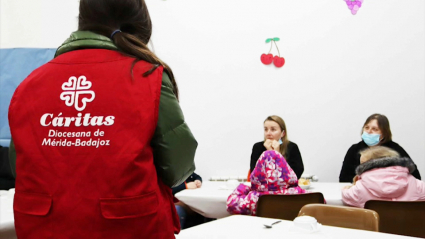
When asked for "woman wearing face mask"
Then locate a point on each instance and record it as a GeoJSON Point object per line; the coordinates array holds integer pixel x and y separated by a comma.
{"type": "Point", "coordinates": [376, 131]}
{"type": "Point", "coordinates": [276, 138]}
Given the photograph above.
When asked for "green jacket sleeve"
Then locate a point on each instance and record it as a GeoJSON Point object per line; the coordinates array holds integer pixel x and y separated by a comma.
{"type": "Point", "coordinates": [173, 144]}
{"type": "Point", "coordinates": [12, 158]}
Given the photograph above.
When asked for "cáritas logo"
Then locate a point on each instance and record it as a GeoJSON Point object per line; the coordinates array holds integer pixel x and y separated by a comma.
{"type": "Point", "coordinates": [76, 90]}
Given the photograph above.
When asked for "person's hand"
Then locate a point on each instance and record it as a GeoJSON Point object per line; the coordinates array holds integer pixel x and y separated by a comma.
{"type": "Point", "coordinates": [355, 179]}
{"type": "Point", "coordinates": [268, 144]}
{"type": "Point", "coordinates": [198, 183]}
{"type": "Point", "coordinates": [347, 187]}
{"type": "Point", "coordinates": [275, 145]}
{"type": "Point", "coordinates": [191, 185]}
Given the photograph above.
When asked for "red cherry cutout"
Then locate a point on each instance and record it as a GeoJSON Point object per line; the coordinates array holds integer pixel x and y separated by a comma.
{"type": "Point", "coordinates": [266, 59]}
{"type": "Point", "coordinates": [278, 61]}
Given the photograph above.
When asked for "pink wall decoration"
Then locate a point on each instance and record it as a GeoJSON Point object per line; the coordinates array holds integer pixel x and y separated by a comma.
{"type": "Point", "coordinates": [354, 5]}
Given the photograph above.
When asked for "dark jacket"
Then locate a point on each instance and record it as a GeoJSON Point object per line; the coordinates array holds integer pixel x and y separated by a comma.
{"type": "Point", "coordinates": [182, 186]}
{"type": "Point", "coordinates": [293, 157]}
{"type": "Point", "coordinates": [173, 144]}
{"type": "Point", "coordinates": [352, 160]}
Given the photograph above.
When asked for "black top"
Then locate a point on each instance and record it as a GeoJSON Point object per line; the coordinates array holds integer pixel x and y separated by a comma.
{"type": "Point", "coordinates": [352, 160]}
{"type": "Point", "coordinates": [293, 157]}
{"type": "Point", "coordinates": [182, 186]}
{"type": "Point", "coordinates": [7, 179]}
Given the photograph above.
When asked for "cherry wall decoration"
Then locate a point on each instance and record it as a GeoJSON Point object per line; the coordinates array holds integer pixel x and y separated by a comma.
{"type": "Point", "coordinates": [268, 58]}
{"type": "Point", "coordinates": [354, 5]}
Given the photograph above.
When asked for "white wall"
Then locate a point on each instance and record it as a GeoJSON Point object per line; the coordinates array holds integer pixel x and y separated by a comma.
{"type": "Point", "coordinates": [339, 70]}
{"type": "Point", "coordinates": [38, 24]}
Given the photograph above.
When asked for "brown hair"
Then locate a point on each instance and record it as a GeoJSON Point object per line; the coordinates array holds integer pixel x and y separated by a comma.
{"type": "Point", "coordinates": [384, 126]}
{"type": "Point", "coordinates": [132, 18]}
{"type": "Point", "coordinates": [282, 126]}
{"type": "Point", "coordinates": [377, 152]}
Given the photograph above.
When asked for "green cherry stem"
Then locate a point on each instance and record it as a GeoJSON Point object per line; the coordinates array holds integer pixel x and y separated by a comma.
{"type": "Point", "coordinates": [276, 47]}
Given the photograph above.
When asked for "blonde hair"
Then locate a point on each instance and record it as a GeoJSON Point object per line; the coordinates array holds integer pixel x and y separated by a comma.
{"type": "Point", "coordinates": [377, 152]}
{"type": "Point", "coordinates": [284, 146]}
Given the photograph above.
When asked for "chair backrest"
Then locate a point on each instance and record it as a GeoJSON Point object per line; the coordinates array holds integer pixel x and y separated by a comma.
{"type": "Point", "coordinates": [340, 216]}
{"type": "Point", "coordinates": [400, 217]}
{"type": "Point", "coordinates": [285, 206]}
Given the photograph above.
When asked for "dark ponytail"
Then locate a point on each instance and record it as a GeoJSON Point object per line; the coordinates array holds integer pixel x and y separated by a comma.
{"type": "Point", "coordinates": [132, 18]}
{"type": "Point", "coordinates": [132, 46]}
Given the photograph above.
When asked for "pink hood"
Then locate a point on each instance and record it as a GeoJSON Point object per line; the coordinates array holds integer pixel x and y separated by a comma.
{"type": "Point", "coordinates": [384, 179]}
{"type": "Point", "coordinates": [272, 175]}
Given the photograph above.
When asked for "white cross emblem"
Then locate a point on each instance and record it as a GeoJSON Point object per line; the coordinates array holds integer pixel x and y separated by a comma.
{"type": "Point", "coordinates": [75, 89]}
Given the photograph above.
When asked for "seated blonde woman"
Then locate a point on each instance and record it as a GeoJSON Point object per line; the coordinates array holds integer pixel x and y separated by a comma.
{"type": "Point", "coordinates": [383, 175]}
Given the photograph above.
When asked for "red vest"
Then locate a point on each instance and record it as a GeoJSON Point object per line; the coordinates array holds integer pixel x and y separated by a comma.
{"type": "Point", "coordinates": [82, 128]}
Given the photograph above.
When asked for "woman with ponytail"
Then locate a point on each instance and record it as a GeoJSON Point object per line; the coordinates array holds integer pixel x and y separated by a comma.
{"type": "Point", "coordinates": [99, 135]}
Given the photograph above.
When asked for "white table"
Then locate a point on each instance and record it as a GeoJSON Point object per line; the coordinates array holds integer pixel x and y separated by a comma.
{"type": "Point", "coordinates": [210, 200]}
{"type": "Point", "coordinates": [7, 226]}
{"type": "Point", "coordinates": [239, 226]}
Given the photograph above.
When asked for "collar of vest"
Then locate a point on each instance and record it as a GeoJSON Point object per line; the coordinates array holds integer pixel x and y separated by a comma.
{"type": "Point", "coordinates": [85, 40]}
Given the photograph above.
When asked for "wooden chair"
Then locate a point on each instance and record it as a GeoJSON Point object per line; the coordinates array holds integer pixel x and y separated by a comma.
{"type": "Point", "coordinates": [340, 216]}
{"type": "Point", "coordinates": [400, 217]}
{"type": "Point", "coordinates": [285, 206]}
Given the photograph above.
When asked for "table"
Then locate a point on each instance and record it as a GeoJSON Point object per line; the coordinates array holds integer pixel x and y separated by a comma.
{"type": "Point", "coordinates": [210, 200]}
{"type": "Point", "coordinates": [240, 226]}
{"type": "Point", "coordinates": [7, 226]}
